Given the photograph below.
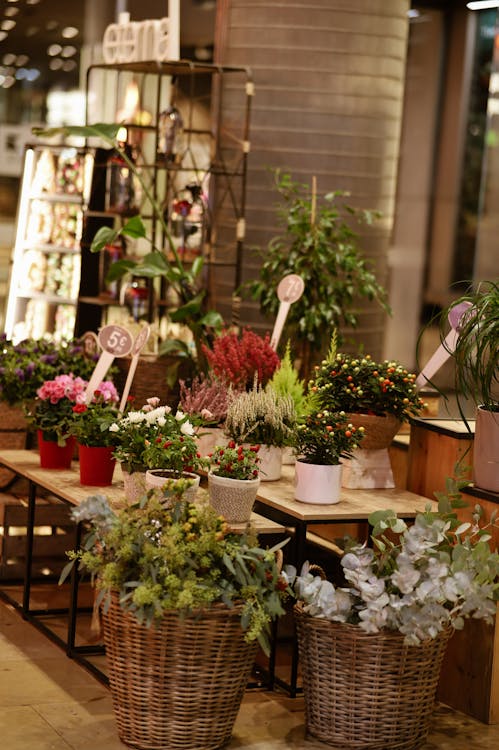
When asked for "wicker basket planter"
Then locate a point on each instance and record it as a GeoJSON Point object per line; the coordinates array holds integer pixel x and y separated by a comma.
{"type": "Point", "coordinates": [179, 685]}
{"type": "Point", "coordinates": [379, 431]}
{"type": "Point", "coordinates": [233, 498]}
{"type": "Point", "coordinates": [367, 691]}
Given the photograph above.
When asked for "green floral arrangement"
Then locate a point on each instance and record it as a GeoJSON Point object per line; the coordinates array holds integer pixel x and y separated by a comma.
{"type": "Point", "coordinates": [418, 579]}
{"type": "Point", "coordinates": [360, 385]}
{"type": "Point", "coordinates": [261, 416]}
{"type": "Point", "coordinates": [235, 461]}
{"type": "Point", "coordinates": [52, 411]}
{"type": "Point", "coordinates": [325, 437]}
{"type": "Point", "coordinates": [92, 421]}
{"type": "Point", "coordinates": [141, 436]}
{"type": "Point", "coordinates": [181, 557]}
{"type": "Point", "coordinates": [26, 365]}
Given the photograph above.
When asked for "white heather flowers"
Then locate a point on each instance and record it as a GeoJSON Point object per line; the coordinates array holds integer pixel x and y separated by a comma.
{"type": "Point", "coordinates": [437, 572]}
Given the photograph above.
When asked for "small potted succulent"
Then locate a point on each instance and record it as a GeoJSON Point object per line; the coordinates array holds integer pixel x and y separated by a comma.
{"type": "Point", "coordinates": [96, 443]}
{"type": "Point", "coordinates": [263, 416]}
{"type": "Point", "coordinates": [322, 440]}
{"type": "Point", "coordinates": [233, 480]}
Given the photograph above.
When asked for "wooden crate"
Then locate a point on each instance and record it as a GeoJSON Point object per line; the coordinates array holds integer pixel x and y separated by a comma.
{"type": "Point", "coordinates": [54, 534]}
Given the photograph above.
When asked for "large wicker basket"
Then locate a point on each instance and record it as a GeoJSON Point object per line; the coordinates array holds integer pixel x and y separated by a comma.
{"type": "Point", "coordinates": [178, 685]}
{"type": "Point", "coordinates": [379, 430]}
{"type": "Point", "coordinates": [367, 691]}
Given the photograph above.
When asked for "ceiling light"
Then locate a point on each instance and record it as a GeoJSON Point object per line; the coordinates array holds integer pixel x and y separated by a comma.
{"type": "Point", "coordinates": [8, 25]}
{"type": "Point", "coordinates": [55, 64]}
{"type": "Point", "coordinates": [11, 11]}
{"type": "Point", "coordinates": [3, 35]}
{"type": "Point", "coordinates": [51, 25]}
{"type": "Point", "coordinates": [482, 4]}
{"type": "Point", "coordinates": [68, 65]}
{"type": "Point", "coordinates": [8, 81]}
{"type": "Point", "coordinates": [21, 60]}
{"type": "Point", "coordinates": [32, 30]}
{"type": "Point", "coordinates": [70, 32]}
{"type": "Point", "coordinates": [31, 2]}
{"type": "Point", "coordinates": [54, 49]}
{"type": "Point", "coordinates": [68, 51]}
{"type": "Point", "coordinates": [9, 58]}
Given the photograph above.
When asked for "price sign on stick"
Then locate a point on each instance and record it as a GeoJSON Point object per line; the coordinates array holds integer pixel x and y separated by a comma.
{"type": "Point", "coordinates": [115, 341]}
{"type": "Point", "coordinates": [138, 345]}
{"type": "Point", "coordinates": [290, 290]}
{"type": "Point", "coordinates": [456, 316]}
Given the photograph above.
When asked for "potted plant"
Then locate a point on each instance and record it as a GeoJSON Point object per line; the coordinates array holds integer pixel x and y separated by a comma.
{"type": "Point", "coordinates": [96, 443]}
{"type": "Point", "coordinates": [242, 358]}
{"type": "Point", "coordinates": [476, 375]}
{"type": "Point", "coordinates": [262, 416]}
{"type": "Point", "coordinates": [371, 645]}
{"type": "Point", "coordinates": [184, 604]}
{"type": "Point", "coordinates": [320, 246]}
{"type": "Point", "coordinates": [322, 440]}
{"type": "Point", "coordinates": [233, 480]}
{"type": "Point", "coordinates": [206, 401]}
{"type": "Point", "coordinates": [52, 415]}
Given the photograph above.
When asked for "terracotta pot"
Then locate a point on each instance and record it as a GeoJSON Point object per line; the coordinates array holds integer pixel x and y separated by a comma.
{"type": "Point", "coordinates": [232, 498]}
{"type": "Point", "coordinates": [53, 456]}
{"type": "Point", "coordinates": [317, 484]}
{"type": "Point", "coordinates": [96, 465]}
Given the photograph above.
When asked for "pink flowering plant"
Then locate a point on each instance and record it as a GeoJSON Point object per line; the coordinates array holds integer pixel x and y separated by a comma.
{"type": "Point", "coordinates": [325, 437]}
{"type": "Point", "coordinates": [52, 411]}
{"type": "Point", "coordinates": [92, 421]}
{"type": "Point", "coordinates": [417, 580]}
{"type": "Point", "coordinates": [242, 358]}
{"type": "Point", "coordinates": [235, 461]}
{"type": "Point", "coordinates": [206, 399]}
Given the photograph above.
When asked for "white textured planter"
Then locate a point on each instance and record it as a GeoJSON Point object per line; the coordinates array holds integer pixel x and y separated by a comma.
{"type": "Point", "coordinates": [288, 456]}
{"type": "Point", "coordinates": [270, 463]}
{"type": "Point", "coordinates": [208, 438]}
{"type": "Point", "coordinates": [232, 498]}
{"type": "Point", "coordinates": [134, 485]}
{"type": "Point", "coordinates": [157, 478]}
{"type": "Point", "coordinates": [317, 484]}
{"type": "Point", "coordinates": [486, 450]}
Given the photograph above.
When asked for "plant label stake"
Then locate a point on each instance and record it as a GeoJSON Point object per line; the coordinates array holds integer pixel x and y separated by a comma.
{"type": "Point", "coordinates": [138, 345]}
{"type": "Point", "coordinates": [115, 341]}
{"type": "Point", "coordinates": [442, 354]}
{"type": "Point", "coordinates": [290, 290]}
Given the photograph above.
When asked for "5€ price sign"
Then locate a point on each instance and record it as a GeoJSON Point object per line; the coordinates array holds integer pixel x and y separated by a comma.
{"type": "Point", "coordinates": [115, 341]}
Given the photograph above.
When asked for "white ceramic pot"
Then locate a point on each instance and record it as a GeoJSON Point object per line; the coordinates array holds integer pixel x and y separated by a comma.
{"type": "Point", "coordinates": [317, 484]}
{"type": "Point", "coordinates": [208, 438]}
{"type": "Point", "coordinates": [288, 456]}
{"type": "Point", "coordinates": [232, 498]}
{"type": "Point", "coordinates": [157, 478]}
{"type": "Point", "coordinates": [134, 485]}
{"type": "Point", "coordinates": [486, 450]}
{"type": "Point", "coordinates": [270, 463]}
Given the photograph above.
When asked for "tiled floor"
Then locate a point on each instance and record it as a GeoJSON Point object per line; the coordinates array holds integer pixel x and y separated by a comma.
{"type": "Point", "coordinates": [48, 702]}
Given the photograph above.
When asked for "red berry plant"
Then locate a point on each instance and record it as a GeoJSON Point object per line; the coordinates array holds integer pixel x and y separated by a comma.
{"type": "Point", "coordinates": [242, 358]}
{"type": "Point", "coordinates": [235, 461]}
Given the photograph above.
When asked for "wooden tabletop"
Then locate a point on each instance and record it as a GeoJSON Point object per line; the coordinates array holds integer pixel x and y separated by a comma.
{"type": "Point", "coordinates": [353, 505]}
{"type": "Point", "coordinates": [65, 483]}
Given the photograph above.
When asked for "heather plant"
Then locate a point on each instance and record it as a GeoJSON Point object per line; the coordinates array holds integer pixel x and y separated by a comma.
{"type": "Point", "coordinates": [239, 359]}
{"type": "Point", "coordinates": [206, 399]}
{"type": "Point", "coordinates": [417, 579]}
{"type": "Point", "coordinates": [261, 416]}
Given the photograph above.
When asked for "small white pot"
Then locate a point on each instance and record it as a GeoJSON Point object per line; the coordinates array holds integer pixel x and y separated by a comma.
{"type": "Point", "coordinates": [317, 484]}
{"type": "Point", "coordinates": [232, 498]}
{"type": "Point", "coordinates": [208, 438]}
{"type": "Point", "coordinates": [270, 463]}
{"type": "Point", "coordinates": [157, 478]}
{"type": "Point", "coordinates": [288, 456]}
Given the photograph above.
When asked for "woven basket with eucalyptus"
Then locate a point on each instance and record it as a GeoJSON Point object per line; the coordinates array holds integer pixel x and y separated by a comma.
{"type": "Point", "coordinates": [367, 691]}
{"type": "Point", "coordinates": [178, 685]}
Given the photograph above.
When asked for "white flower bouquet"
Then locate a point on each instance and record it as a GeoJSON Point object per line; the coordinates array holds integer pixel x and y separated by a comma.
{"type": "Point", "coordinates": [418, 579]}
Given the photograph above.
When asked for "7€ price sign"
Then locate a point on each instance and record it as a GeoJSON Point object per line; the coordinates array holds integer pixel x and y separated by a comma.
{"type": "Point", "coordinates": [115, 341]}
{"type": "Point", "coordinates": [289, 290]}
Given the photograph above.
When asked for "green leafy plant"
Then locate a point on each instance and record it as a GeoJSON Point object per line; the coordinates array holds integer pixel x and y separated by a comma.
{"type": "Point", "coordinates": [320, 246]}
{"type": "Point", "coordinates": [185, 282]}
{"type": "Point", "coordinates": [235, 461]}
{"type": "Point", "coordinates": [358, 384]}
{"type": "Point", "coordinates": [92, 421]}
{"type": "Point", "coordinates": [286, 382]}
{"type": "Point", "coordinates": [325, 437]}
{"type": "Point", "coordinates": [417, 579]}
{"type": "Point", "coordinates": [261, 416]}
{"type": "Point", "coordinates": [182, 557]}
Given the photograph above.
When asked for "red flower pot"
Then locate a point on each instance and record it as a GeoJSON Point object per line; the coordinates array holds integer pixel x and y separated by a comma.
{"type": "Point", "coordinates": [96, 465]}
{"type": "Point", "coordinates": [53, 456]}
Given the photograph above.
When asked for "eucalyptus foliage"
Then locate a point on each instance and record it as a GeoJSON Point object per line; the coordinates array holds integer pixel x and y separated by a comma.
{"type": "Point", "coordinates": [178, 557]}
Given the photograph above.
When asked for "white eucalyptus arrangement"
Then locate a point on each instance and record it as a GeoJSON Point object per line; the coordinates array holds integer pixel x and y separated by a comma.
{"type": "Point", "coordinates": [436, 573]}
{"type": "Point", "coordinates": [261, 416]}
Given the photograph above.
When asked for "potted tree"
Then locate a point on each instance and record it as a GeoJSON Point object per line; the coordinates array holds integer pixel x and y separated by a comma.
{"type": "Point", "coordinates": [476, 373]}
{"type": "Point", "coordinates": [233, 481]}
{"type": "Point", "coordinates": [185, 603]}
{"type": "Point", "coordinates": [320, 246]}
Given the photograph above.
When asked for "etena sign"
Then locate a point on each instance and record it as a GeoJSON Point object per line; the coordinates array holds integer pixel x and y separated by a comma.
{"type": "Point", "coordinates": [134, 41]}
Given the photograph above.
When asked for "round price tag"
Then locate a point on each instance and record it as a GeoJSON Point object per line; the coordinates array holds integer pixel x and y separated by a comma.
{"type": "Point", "coordinates": [290, 288]}
{"type": "Point", "coordinates": [141, 339]}
{"type": "Point", "coordinates": [116, 340]}
{"type": "Point", "coordinates": [457, 314]}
